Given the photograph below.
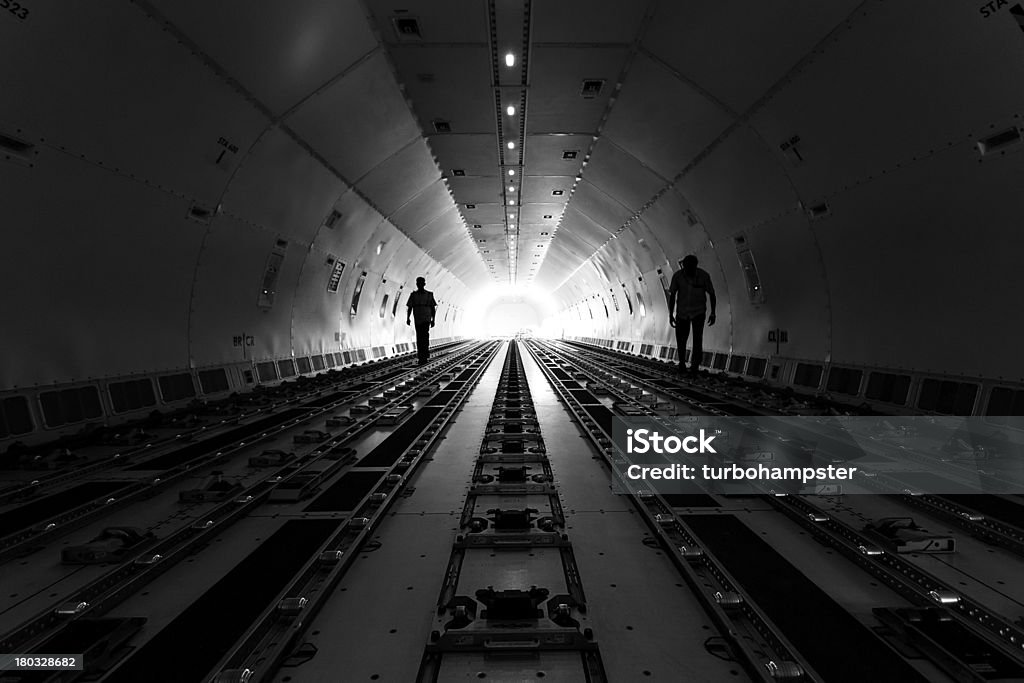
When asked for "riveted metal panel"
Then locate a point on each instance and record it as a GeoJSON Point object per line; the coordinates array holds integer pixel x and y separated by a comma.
{"type": "Point", "coordinates": [661, 119]}
{"type": "Point", "coordinates": [737, 50]}
{"type": "Point", "coordinates": [281, 53]}
{"type": "Point", "coordinates": [280, 186]}
{"type": "Point", "coordinates": [359, 121]}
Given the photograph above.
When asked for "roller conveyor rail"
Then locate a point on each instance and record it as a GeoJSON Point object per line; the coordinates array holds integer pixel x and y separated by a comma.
{"type": "Point", "coordinates": [529, 622]}
{"type": "Point", "coordinates": [105, 592]}
{"type": "Point", "coordinates": [988, 630]}
{"type": "Point", "coordinates": [758, 645]}
{"type": "Point", "coordinates": [265, 400]}
{"type": "Point", "coordinates": [271, 637]}
{"type": "Point", "coordinates": [129, 491]}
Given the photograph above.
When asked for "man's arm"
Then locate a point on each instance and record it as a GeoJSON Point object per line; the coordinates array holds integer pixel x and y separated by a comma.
{"type": "Point", "coordinates": [673, 290]}
{"type": "Point", "coordinates": [714, 302]}
{"type": "Point", "coordinates": [433, 309]}
{"type": "Point", "coordinates": [408, 309]}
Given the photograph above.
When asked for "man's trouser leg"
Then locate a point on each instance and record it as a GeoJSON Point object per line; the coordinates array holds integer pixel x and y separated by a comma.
{"type": "Point", "coordinates": [682, 334]}
{"type": "Point", "coordinates": [423, 341]}
{"type": "Point", "coordinates": [698, 341]}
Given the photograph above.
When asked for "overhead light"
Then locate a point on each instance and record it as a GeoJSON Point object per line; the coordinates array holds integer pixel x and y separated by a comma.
{"type": "Point", "coordinates": [511, 145]}
{"type": "Point", "coordinates": [510, 59]}
{"type": "Point", "coordinates": [511, 171]}
{"type": "Point", "coordinates": [511, 110]}
{"type": "Point", "coordinates": [511, 188]}
{"type": "Point", "coordinates": [511, 202]}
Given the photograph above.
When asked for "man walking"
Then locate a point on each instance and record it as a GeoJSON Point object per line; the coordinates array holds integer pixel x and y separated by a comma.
{"type": "Point", "coordinates": [422, 307]}
{"type": "Point", "coordinates": [687, 308]}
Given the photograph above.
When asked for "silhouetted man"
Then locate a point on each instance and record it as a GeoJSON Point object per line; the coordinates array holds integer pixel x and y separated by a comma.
{"type": "Point", "coordinates": [422, 307]}
{"type": "Point", "coordinates": [687, 308]}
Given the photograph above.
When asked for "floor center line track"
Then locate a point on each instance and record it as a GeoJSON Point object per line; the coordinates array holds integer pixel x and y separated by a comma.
{"type": "Point", "coordinates": [77, 624]}
{"type": "Point", "coordinates": [512, 527]}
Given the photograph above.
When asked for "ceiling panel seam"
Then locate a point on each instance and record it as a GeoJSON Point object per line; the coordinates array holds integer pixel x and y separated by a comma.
{"type": "Point", "coordinates": [187, 42]}
{"type": "Point", "coordinates": [634, 47]}
{"type": "Point", "coordinates": [742, 119]}
{"type": "Point", "coordinates": [389, 59]}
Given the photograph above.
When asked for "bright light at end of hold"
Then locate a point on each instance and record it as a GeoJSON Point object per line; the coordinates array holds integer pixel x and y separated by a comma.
{"type": "Point", "coordinates": [511, 110]}
{"type": "Point", "coordinates": [511, 171]}
{"type": "Point", "coordinates": [510, 59]}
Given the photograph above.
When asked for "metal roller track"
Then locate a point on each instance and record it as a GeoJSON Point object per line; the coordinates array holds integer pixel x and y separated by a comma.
{"type": "Point", "coordinates": [512, 524]}
{"type": "Point", "coordinates": [911, 581]}
{"type": "Point", "coordinates": [113, 587]}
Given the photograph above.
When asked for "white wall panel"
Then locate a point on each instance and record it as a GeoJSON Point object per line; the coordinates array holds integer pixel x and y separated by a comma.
{"type": "Point", "coordinates": [280, 186]}
{"type": "Point", "coordinates": [157, 115]}
{"type": "Point", "coordinates": [739, 184]}
{"type": "Point", "coordinates": [97, 273]}
{"type": "Point", "coordinates": [738, 49]}
{"type": "Point", "coordinates": [884, 95]}
{"type": "Point", "coordinates": [358, 121]}
{"type": "Point", "coordinates": [280, 52]}
{"type": "Point", "coordinates": [228, 280]}
{"type": "Point", "coordinates": [661, 120]}
{"type": "Point", "coordinates": [933, 280]}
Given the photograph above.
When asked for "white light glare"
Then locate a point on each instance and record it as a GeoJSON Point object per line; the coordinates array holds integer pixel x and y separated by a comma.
{"type": "Point", "coordinates": [511, 171]}
{"type": "Point", "coordinates": [511, 145]}
{"type": "Point", "coordinates": [511, 202]}
{"type": "Point", "coordinates": [511, 110]}
{"type": "Point", "coordinates": [510, 59]}
{"type": "Point", "coordinates": [511, 188]}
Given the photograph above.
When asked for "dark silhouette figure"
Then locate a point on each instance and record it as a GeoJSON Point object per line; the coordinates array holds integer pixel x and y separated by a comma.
{"type": "Point", "coordinates": [421, 307]}
{"type": "Point", "coordinates": [687, 307]}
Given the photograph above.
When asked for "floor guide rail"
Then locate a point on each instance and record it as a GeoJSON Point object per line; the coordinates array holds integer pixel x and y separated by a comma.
{"type": "Point", "coordinates": [766, 603]}
{"type": "Point", "coordinates": [81, 623]}
{"type": "Point", "coordinates": [490, 620]}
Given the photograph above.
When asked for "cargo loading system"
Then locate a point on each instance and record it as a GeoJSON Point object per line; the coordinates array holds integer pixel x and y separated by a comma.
{"type": "Point", "coordinates": [456, 522]}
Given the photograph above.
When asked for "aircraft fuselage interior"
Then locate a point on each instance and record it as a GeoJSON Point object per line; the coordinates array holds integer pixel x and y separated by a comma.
{"type": "Point", "coordinates": [591, 341]}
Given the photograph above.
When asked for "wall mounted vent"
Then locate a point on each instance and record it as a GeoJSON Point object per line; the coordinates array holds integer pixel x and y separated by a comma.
{"type": "Point", "coordinates": [332, 219]}
{"type": "Point", "coordinates": [884, 386]}
{"type": "Point", "coordinates": [213, 381]}
{"type": "Point", "coordinates": [756, 367]}
{"type": "Point", "coordinates": [407, 28]}
{"type": "Point", "coordinates": [200, 214]}
{"type": "Point", "coordinates": [818, 211]}
{"type": "Point", "coordinates": [570, 153]}
{"type": "Point", "coordinates": [15, 417]}
{"type": "Point", "coordinates": [442, 127]}
{"type": "Point", "coordinates": [591, 88]}
{"type": "Point", "coordinates": [470, 206]}
{"type": "Point", "coordinates": [1000, 142]}
{"type": "Point", "coordinates": [458, 172]}
{"type": "Point", "coordinates": [557, 193]}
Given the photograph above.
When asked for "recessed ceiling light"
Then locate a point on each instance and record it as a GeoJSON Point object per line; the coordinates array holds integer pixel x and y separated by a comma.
{"type": "Point", "coordinates": [510, 59]}
{"type": "Point", "coordinates": [458, 172]}
{"type": "Point", "coordinates": [511, 145]}
{"type": "Point", "coordinates": [470, 206]}
{"type": "Point", "coordinates": [511, 188]}
{"type": "Point", "coordinates": [547, 216]}
{"type": "Point", "coordinates": [511, 110]}
{"type": "Point", "coordinates": [557, 193]}
{"type": "Point", "coordinates": [511, 171]}
{"type": "Point", "coordinates": [511, 202]}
